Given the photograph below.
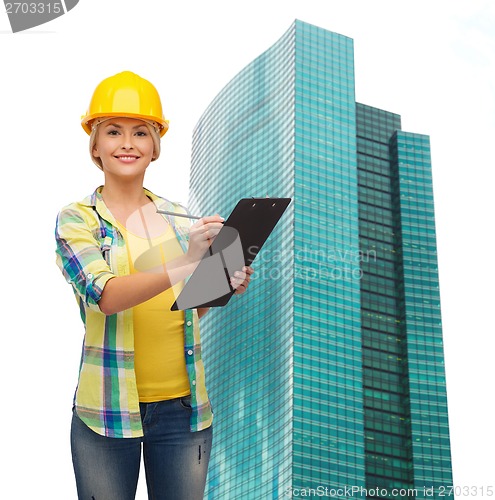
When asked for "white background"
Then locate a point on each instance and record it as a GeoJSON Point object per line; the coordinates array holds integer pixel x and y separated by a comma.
{"type": "Point", "coordinates": [433, 62]}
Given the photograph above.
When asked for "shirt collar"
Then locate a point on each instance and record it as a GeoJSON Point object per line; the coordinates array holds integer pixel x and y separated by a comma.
{"type": "Point", "coordinates": [95, 200]}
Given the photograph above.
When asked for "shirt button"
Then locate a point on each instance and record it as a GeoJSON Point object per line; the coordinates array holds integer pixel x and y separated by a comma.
{"type": "Point", "coordinates": [89, 276]}
{"type": "Point", "coordinates": [190, 352]}
{"type": "Point", "coordinates": [194, 382]}
{"type": "Point", "coordinates": [189, 323]}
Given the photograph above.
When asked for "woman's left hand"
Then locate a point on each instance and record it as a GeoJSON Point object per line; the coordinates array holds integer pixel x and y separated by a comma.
{"type": "Point", "coordinates": [241, 279]}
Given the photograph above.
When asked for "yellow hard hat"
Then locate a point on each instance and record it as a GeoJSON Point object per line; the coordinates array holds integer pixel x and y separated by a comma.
{"type": "Point", "coordinates": [126, 94]}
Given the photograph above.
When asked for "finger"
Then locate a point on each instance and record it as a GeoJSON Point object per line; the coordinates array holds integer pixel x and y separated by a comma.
{"type": "Point", "coordinates": [206, 232]}
{"type": "Point", "coordinates": [236, 282]}
{"type": "Point", "coordinates": [239, 288]}
{"type": "Point", "coordinates": [200, 225]}
{"type": "Point", "coordinates": [205, 221]}
{"type": "Point", "coordinates": [212, 218]}
{"type": "Point", "coordinates": [211, 228]}
{"type": "Point", "coordinates": [240, 275]}
{"type": "Point", "coordinates": [245, 274]}
{"type": "Point", "coordinates": [240, 281]}
{"type": "Point", "coordinates": [248, 269]}
{"type": "Point", "coordinates": [214, 228]}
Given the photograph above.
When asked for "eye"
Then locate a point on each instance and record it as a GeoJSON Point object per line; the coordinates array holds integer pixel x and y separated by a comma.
{"type": "Point", "coordinates": [113, 132]}
{"type": "Point", "coordinates": [141, 133]}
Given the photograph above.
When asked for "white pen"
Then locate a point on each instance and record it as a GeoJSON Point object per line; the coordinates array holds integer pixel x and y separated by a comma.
{"type": "Point", "coordinates": [176, 214]}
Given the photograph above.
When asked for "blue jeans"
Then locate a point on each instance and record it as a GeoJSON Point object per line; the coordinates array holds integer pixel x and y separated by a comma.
{"type": "Point", "coordinates": [175, 459]}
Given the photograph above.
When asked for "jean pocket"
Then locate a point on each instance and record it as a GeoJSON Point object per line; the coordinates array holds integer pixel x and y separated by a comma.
{"type": "Point", "coordinates": [185, 402]}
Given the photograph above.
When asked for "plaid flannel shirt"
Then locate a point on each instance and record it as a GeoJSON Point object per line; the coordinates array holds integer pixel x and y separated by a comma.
{"type": "Point", "coordinates": [90, 251]}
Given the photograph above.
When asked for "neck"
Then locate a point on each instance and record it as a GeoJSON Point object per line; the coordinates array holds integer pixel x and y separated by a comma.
{"type": "Point", "coordinates": [123, 195]}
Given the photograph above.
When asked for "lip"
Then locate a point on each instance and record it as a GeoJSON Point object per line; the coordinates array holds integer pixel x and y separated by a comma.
{"type": "Point", "coordinates": [127, 158]}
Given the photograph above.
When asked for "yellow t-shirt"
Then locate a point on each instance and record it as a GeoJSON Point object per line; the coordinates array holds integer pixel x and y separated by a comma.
{"type": "Point", "coordinates": [159, 360]}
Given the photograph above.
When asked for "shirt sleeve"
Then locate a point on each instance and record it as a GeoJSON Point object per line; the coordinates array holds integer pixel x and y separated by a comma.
{"type": "Point", "coordinates": [80, 258]}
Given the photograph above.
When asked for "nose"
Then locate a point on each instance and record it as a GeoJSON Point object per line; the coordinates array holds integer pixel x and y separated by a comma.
{"type": "Point", "coordinates": [127, 141]}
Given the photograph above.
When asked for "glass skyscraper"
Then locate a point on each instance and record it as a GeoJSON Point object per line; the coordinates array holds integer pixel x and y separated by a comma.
{"type": "Point", "coordinates": [327, 376]}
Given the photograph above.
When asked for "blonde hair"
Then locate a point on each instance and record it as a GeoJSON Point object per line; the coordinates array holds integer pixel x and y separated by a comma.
{"type": "Point", "coordinates": [153, 128]}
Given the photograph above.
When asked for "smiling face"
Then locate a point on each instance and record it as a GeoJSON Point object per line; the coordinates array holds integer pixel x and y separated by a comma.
{"type": "Point", "coordinates": [124, 146]}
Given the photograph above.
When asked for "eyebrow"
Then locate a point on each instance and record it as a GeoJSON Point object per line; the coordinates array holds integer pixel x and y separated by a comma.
{"type": "Point", "coordinates": [116, 125]}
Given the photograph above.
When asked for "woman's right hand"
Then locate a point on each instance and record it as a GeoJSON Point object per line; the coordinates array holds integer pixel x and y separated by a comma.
{"type": "Point", "coordinates": [201, 236]}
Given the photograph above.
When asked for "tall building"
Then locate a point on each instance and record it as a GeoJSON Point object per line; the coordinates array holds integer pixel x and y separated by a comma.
{"type": "Point", "coordinates": [329, 373]}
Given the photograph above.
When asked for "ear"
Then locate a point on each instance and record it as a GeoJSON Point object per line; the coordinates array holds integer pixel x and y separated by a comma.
{"type": "Point", "coordinates": [95, 152]}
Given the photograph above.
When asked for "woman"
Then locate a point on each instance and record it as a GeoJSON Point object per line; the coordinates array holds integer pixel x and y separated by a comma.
{"type": "Point", "coordinates": [141, 378]}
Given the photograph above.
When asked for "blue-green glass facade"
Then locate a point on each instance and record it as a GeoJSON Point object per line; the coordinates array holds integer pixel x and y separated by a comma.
{"type": "Point", "coordinates": [242, 147]}
{"type": "Point", "coordinates": [329, 371]}
{"type": "Point", "coordinates": [420, 309]}
{"type": "Point", "coordinates": [384, 342]}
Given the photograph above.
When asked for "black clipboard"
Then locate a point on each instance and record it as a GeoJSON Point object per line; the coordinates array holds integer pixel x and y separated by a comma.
{"type": "Point", "coordinates": [236, 245]}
